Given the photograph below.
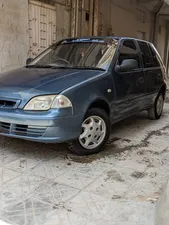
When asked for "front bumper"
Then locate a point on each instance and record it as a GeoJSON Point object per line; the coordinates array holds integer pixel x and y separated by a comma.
{"type": "Point", "coordinates": [45, 127]}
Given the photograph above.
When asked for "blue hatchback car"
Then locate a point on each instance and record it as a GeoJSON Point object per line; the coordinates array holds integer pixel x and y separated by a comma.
{"type": "Point", "coordinates": [77, 88]}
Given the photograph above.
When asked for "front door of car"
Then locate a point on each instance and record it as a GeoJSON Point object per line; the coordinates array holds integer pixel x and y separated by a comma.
{"type": "Point", "coordinates": [130, 84]}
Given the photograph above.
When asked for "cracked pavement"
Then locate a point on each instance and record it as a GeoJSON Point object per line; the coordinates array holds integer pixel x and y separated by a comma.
{"type": "Point", "coordinates": [46, 184]}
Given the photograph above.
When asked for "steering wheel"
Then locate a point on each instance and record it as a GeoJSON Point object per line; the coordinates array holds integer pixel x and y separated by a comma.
{"type": "Point", "coordinates": [63, 60]}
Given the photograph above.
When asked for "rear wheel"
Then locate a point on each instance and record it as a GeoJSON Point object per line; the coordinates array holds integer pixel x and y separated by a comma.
{"type": "Point", "coordinates": [156, 111]}
{"type": "Point", "coordinates": [95, 133]}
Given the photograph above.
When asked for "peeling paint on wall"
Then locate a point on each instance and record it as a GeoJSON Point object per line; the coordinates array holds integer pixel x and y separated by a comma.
{"type": "Point", "coordinates": [14, 41]}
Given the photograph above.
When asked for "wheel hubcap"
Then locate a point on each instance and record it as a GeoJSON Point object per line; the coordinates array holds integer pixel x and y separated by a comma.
{"type": "Point", "coordinates": [160, 103]}
{"type": "Point", "coordinates": [93, 132]}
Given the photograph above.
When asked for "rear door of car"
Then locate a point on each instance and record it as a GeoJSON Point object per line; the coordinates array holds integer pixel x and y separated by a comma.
{"type": "Point", "coordinates": [152, 71]}
{"type": "Point", "coordinates": [130, 86]}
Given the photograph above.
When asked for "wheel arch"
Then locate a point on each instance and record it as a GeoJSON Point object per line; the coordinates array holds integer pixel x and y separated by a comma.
{"type": "Point", "coordinates": [100, 103]}
{"type": "Point", "coordinates": [163, 90]}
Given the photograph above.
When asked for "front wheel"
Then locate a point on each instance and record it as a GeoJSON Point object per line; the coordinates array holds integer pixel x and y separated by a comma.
{"type": "Point", "coordinates": [95, 133]}
{"type": "Point", "coordinates": [156, 111]}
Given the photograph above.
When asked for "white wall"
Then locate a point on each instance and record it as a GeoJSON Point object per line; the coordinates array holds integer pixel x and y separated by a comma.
{"type": "Point", "coordinates": [14, 38]}
{"type": "Point", "coordinates": [123, 17]}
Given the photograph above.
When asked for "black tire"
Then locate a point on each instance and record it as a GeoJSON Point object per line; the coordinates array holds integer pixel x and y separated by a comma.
{"type": "Point", "coordinates": [153, 113]}
{"type": "Point", "coordinates": [78, 149]}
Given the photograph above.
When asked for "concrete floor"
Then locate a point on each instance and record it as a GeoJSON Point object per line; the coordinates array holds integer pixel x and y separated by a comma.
{"type": "Point", "coordinates": [47, 185]}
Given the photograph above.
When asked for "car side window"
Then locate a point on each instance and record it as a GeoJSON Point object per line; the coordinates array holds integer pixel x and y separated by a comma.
{"type": "Point", "coordinates": [149, 60]}
{"type": "Point", "coordinates": [128, 50]}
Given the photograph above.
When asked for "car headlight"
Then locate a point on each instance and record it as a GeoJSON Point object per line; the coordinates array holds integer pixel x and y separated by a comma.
{"type": "Point", "coordinates": [42, 103]}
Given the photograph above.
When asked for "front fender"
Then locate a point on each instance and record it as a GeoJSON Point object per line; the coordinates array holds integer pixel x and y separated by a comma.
{"type": "Point", "coordinates": [83, 95]}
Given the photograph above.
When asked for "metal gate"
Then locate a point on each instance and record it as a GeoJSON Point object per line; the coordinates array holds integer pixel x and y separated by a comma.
{"type": "Point", "coordinates": [42, 26]}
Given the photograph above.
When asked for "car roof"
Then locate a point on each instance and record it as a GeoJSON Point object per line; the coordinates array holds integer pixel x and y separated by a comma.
{"type": "Point", "coordinates": [118, 38]}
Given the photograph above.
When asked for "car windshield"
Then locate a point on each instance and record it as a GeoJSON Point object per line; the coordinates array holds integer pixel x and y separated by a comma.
{"type": "Point", "coordinates": [78, 53]}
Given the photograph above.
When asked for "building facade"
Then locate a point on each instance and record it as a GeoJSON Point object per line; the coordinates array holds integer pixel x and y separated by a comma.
{"type": "Point", "coordinates": [27, 27]}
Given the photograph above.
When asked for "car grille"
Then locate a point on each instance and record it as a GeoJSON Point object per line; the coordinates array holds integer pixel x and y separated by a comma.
{"type": "Point", "coordinates": [22, 130]}
{"type": "Point", "coordinates": [5, 127]}
{"type": "Point", "coordinates": [9, 104]}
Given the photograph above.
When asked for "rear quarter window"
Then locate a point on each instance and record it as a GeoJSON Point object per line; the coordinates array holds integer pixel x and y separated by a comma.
{"type": "Point", "coordinates": [159, 59]}
{"type": "Point", "coordinates": [149, 58]}
{"type": "Point", "coordinates": [155, 56]}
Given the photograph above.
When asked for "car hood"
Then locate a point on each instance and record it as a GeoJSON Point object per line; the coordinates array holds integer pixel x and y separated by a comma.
{"type": "Point", "coordinates": [29, 82]}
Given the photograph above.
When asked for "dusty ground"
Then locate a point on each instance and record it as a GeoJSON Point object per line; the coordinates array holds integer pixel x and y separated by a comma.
{"type": "Point", "coordinates": [46, 185]}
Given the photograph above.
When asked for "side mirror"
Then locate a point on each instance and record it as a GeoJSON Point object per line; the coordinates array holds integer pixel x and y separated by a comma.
{"type": "Point", "coordinates": [127, 65]}
{"type": "Point", "coordinates": [29, 60]}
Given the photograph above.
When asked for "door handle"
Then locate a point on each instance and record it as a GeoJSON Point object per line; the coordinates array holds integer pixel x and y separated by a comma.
{"type": "Point", "coordinates": [141, 80]}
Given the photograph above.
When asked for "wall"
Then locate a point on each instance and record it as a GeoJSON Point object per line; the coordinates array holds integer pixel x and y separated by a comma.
{"type": "Point", "coordinates": [14, 41]}
{"type": "Point", "coordinates": [124, 17]}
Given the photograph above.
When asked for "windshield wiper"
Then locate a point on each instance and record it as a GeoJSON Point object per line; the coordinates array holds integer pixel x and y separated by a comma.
{"type": "Point", "coordinates": [88, 68]}
{"type": "Point", "coordinates": [47, 66]}
{"type": "Point", "coordinates": [38, 66]}
{"type": "Point", "coordinates": [64, 67]}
